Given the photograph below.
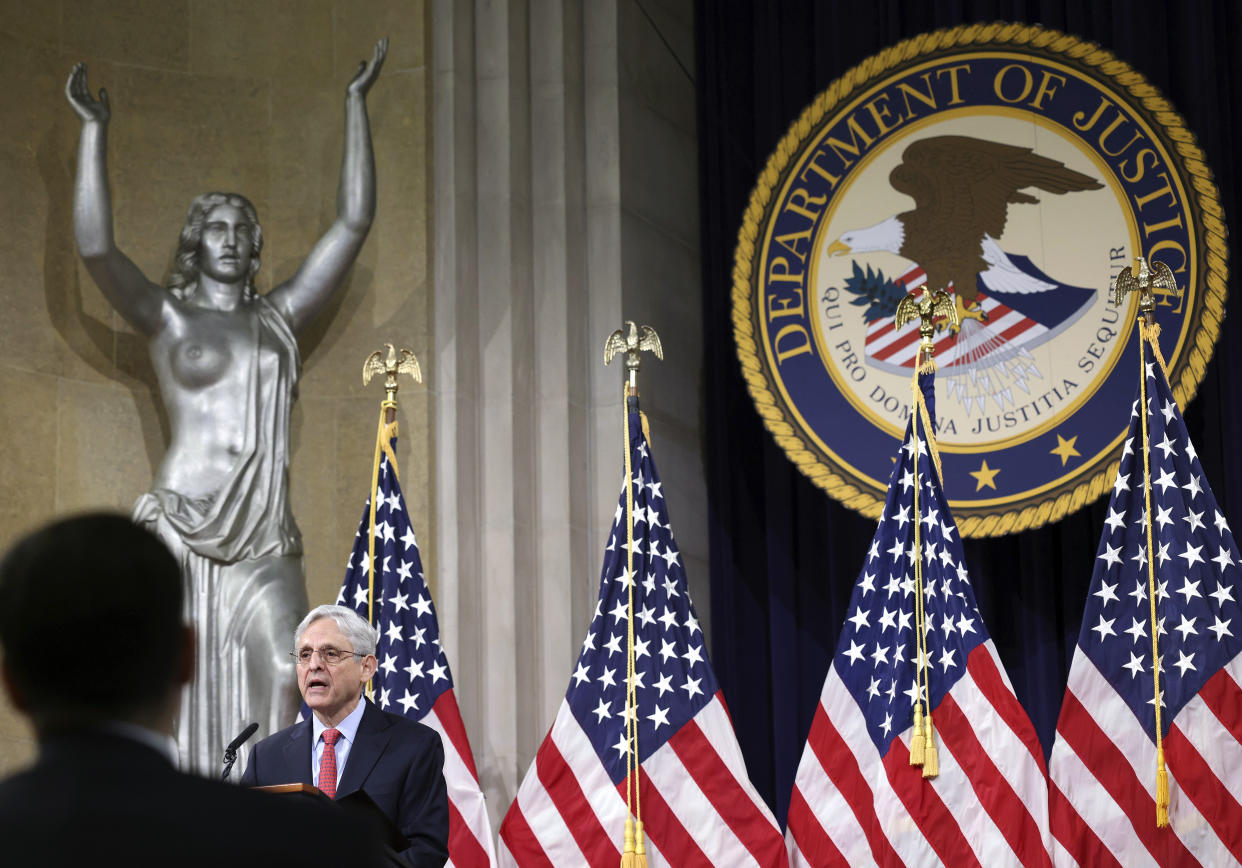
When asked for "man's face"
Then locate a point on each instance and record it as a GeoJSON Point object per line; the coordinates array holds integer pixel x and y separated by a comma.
{"type": "Point", "coordinates": [227, 243]}
{"type": "Point", "coordinates": [331, 692]}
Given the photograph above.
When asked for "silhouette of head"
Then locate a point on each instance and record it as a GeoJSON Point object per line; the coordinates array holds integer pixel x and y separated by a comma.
{"type": "Point", "coordinates": [90, 622]}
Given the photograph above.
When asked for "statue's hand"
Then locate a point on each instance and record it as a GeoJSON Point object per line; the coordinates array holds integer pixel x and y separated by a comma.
{"type": "Point", "coordinates": [86, 106]}
{"type": "Point", "coordinates": [368, 72]}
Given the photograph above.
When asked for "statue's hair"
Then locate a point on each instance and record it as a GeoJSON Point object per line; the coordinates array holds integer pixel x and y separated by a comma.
{"type": "Point", "coordinates": [184, 279]}
{"type": "Point", "coordinates": [360, 634]}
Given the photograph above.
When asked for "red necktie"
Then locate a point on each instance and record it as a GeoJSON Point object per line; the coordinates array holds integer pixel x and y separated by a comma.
{"type": "Point", "coordinates": [327, 763]}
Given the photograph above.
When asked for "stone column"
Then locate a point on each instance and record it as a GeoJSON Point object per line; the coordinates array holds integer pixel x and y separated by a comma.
{"type": "Point", "coordinates": [529, 278]}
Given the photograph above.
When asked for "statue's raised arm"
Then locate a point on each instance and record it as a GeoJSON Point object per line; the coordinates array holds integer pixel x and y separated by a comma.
{"type": "Point", "coordinates": [321, 274]}
{"type": "Point", "coordinates": [137, 299]}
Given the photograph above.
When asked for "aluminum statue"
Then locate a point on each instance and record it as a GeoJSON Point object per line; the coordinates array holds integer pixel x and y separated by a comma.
{"type": "Point", "coordinates": [227, 363]}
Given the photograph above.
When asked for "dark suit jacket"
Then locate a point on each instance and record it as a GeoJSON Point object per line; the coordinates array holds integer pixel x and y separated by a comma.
{"type": "Point", "coordinates": [397, 762]}
{"type": "Point", "coordinates": [102, 799]}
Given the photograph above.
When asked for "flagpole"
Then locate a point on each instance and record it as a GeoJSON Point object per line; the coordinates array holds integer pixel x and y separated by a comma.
{"type": "Point", "coordinates": [385, 431]}
{"type": "Point", "coordinates": [632, 798]}
{"type": "Point", "coordinates": [927, 307]}
{"type": "Point", "coordinates": [1144, 280]}
{"type": "Point", "coordinates": [631, 340]}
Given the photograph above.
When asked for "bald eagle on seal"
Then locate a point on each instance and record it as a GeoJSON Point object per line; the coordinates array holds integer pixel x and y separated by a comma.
{"type": "Point", "coordinates": [962, 188]}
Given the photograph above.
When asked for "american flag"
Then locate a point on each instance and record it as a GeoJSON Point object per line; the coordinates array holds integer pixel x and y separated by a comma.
{"type": "Point", "coordinates": [413, 676]}
{"type": "Point", "coordinates": [856, 799]}
{"type": "Point", "coordinates": [698, 805]}
{"type": "Point", "coordinates": [1103, 766]}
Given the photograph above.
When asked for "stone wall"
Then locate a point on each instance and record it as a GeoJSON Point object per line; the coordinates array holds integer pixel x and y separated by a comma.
{"type": "Point", "coordinates": [225, 95]}
{"type": "Point", "coordinates": [565, 197]}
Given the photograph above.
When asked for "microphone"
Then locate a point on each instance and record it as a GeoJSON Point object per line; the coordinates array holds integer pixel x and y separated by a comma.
{"type": "Point", "coordinates": [230, 752]}
{"type": "Point", "coordinates": [241, 739]}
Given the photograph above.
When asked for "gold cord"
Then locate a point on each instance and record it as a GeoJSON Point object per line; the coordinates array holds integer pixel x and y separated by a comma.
{"type": "Point", "coordinates": [1162, 772]}
{"type": "Point", "coordinates": [633, 848]}
{"type": "Point", "coordinates": [923, 751]}
{"type": "Point", "coordinates": [1151, 333]}
{"type": "Point", "coordinates": [383, 436]}
{"type": "Point", "coordinates": [918, 746]}
{"type": "Point", "coordinates": [381, 447]}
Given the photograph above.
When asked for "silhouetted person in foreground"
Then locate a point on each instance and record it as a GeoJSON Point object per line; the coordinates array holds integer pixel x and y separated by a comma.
{"type": "Point", "coordinates": [95, 653]}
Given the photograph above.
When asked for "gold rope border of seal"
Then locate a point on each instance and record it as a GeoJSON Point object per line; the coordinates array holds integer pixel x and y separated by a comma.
{"type": "Point", "coordinates": [1188, 370]}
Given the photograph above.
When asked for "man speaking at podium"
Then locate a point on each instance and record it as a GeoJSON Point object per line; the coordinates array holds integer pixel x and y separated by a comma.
{"type": "Point", "coordinates": [349, 744]}
{"type": "Point", "coordinates": [96, 654]}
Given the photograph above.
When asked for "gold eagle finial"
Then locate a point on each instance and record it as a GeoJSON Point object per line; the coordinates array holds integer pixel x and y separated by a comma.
{"type": "Point", "coordinates": [1144, 280]}
{"type": "Point", "coordinates": [390, 367]}
{"type": "Point", "coordinates": [927, 308]}
{"type": "Point", "coordinates": [631, 340]}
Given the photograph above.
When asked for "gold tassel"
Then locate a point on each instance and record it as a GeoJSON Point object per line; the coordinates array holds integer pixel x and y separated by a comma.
{"type": "Point", "coordinates": [931, 755]}
{"type": "Point", "coordinates": [916, 741]}
{"type": "Point", "coordinates": [1162, 790]}
{"type": "Point", "coordinates": [928, 367]}
{"type": "Point", "coordinates": [628, 859]}
{"type": "Point", "coordinates": [640, 850]}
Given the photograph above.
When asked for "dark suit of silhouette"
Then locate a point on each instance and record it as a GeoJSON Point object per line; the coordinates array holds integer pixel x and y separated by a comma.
{"type": "Point", "coordinates": [95, 798]}
{"type": "Point", "coordinates": [397, 762]}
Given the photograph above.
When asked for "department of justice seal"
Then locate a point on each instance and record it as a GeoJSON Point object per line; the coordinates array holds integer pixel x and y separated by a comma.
{"type": "Point", "coordinates": [1021, 169]}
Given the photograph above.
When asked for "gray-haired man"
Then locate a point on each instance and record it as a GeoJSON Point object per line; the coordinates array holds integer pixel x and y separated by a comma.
{"type": "Point", "coordinates": [350, 744]}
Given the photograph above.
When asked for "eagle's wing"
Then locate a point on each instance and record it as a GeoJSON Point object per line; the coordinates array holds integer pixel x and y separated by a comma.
{"type": "Point", "coordinates": [1002, 275]}
{"type": "Point", "coordinates": [944, 307]}
{"type": "Point", "coordinates": [961, 175]}
{"type": "Point", "coordinates": [1162, 276]}
{"type": "Point", "coordinates": [1125, 284]}
{"type": "Point", "coordinates": [615, 344]}
{"type": "Point", "coordinates": [409, 365]}
{"type": "Point", "coordinates": [651, 341]}
{"type": "Point", "coordinates": [907, 311]}
{"type": "Point", "coordinates": [372, 366]}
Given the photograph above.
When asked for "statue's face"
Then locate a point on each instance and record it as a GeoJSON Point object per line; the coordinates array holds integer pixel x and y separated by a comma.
{"type": "Point", "coordinates": [227, 243]}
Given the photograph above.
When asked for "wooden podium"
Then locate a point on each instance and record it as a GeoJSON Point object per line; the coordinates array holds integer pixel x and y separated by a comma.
{"type": "Point", "coordinates": [357, 805]}
{"type": "Point", "coordinates": [307, 789]}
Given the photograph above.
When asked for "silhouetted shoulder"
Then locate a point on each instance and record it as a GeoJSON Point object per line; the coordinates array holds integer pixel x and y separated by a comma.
{"type": "Point", "coordinates": [104, 800]}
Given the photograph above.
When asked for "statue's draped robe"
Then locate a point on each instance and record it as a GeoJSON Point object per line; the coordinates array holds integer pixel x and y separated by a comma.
{"type": "Point", "coordinates": [240, 553]}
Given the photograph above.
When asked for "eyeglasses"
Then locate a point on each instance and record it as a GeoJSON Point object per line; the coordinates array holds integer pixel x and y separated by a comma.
{"type": "Point", "coordinates": [329, 655]}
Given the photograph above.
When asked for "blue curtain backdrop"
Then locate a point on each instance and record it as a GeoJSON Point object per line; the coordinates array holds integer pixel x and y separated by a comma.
{"type": "Point", "coordinates": [784, 556]}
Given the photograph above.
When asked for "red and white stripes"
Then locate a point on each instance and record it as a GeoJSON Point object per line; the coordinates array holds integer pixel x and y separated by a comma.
{"type": "Point", "coordinates": [988, 806]}
{"type": "Point", "coordinates": [1103, 777]}
{"type": "Point", "coordinates": [699, 807]}
{"type": "Point", "coordinates": [470, 832]}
